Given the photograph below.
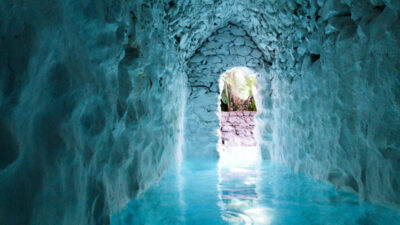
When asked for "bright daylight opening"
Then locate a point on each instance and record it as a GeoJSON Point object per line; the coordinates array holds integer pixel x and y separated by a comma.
{"type": "Point", "coordinates": [240, 158]}
{"type": "Point", "coordinates": [237, 109]}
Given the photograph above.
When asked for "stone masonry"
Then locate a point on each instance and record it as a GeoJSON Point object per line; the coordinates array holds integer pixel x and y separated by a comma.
{"type": "Point", "coordinates": [229, 47]}
{"type": "Point", "coordinates": [237, 128]}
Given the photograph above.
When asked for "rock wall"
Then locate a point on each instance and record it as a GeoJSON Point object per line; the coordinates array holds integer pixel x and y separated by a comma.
{"type": "Point", "coordinates": [226, 48]}
{"type": "Point", "coordinates": [91, 105]}
{"type": "Point", "coordinates": [92, 95]}
{"type": "Point", "coordinates": [237, 128]}
{"type": "Point", "coordinates": [330, 106]}
{"type": "Point", "coordinates": [339, 118]}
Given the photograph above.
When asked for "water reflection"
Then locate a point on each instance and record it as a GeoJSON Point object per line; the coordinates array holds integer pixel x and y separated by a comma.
{"type": "Point", "coordinates": [238, 178]}
{"type": "Point", "coordinates": [239, 188]}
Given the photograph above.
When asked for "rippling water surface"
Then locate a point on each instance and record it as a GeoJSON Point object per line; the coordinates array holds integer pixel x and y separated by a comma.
{"type": "Point", "coordinates": [240, 189]}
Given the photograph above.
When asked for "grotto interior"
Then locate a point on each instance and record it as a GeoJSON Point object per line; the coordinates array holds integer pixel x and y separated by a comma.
{"type": "Point", "coordinates": [109, 112]}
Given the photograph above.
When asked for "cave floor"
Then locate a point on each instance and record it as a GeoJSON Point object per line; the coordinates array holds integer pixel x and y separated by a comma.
{"type": "Point", "coordinates": [229, 191]}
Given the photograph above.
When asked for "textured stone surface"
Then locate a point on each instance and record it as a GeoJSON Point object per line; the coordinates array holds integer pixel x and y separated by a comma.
{"type": "Point", "coordinates": [202, 123]}
{"type": "Point", "coordinates": [330, 96]}
{"type": "Point", "coordinates": [92, 95]}
{"type": "Point", "coordinates": [237, 128]}
{"type": "Point", "coordinates": [86, 120]}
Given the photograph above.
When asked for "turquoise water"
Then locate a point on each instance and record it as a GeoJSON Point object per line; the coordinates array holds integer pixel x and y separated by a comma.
{"type": "Point", "coordinates": [215, 192]}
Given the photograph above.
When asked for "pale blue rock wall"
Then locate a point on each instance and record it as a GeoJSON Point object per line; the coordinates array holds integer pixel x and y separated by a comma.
{"type": "Point", "coordinates": [228, 47]}
{"type": "Point", "coordinates": [91, 107]}
{"type": "Point", "coordinates": [331, 96]}
{"type": "Point", "coordinates": [92, 96]}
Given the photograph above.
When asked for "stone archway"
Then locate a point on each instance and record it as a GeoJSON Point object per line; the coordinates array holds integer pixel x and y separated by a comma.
{"type": "Point", "coordinates": [237, 108]}
{"type": "Point", "coordinates": [228, 47]}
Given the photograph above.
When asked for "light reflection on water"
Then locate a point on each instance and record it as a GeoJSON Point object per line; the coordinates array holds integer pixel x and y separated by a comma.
{"type": "Point", "coordinates": [238, 175]}
{"type": "Point", "coordinates": [241, 189]}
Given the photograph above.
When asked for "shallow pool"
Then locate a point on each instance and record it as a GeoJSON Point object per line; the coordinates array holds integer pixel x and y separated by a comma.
{"type": "Point", "coordinates": [258, 192]}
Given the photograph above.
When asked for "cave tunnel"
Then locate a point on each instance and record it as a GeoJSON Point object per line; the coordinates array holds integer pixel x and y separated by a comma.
{"type": "Point", "coordinates": [110, 112]}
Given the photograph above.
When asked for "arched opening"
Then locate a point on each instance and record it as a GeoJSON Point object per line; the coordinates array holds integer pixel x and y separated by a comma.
{"type": "Point", "coordinates": [240, 158]}
{"type": "Point", "coordinates": [237, 110]}
{"type": "Point", "coordinates": [237, 90]}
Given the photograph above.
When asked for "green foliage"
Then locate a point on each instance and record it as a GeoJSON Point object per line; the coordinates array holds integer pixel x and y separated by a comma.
{"type": "Point", "coordinates": [224, 107]}
{"type": "Point", "coordinates": [252, 106]}
{"type": "Point", "coordinates": [224, 97]}
{"type": "Point", "coordinates": [238, 87]}
{"type": "Point", "coordinates": [240, 83]}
